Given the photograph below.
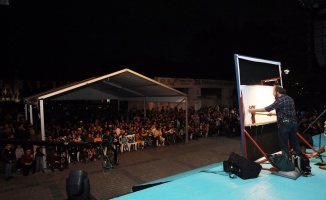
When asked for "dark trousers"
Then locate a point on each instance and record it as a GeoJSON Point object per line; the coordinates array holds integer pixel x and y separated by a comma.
{"type": "Point", "coordinates": [7, 169]}
{"type": "Point", "coordinates": [287, 133]}
{"type": "Point", "coordinates": [18, 163]}
{"type": "Point", "coordinates": [26, 169]}
{"type": "Point", "coordinates": [55, 165]}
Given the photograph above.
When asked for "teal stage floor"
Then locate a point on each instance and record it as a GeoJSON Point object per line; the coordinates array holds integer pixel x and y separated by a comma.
{"type": "Point", "coordinates": [211, 182]}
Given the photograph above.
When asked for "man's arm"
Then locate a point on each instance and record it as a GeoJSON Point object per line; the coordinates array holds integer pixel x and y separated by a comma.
{"type": "Point", "coordinates": [257, 110]}
{"type": "Point", "coordinates": [253, 111]}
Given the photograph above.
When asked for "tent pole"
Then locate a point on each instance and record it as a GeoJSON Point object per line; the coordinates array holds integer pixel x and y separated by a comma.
{"type": "Point", "coordinates": [42, 119]}
{"type": "Point", "coordinates": [26, 112]}
{"type": "Point", "coordinates": [186, 119]}
{"type": "Point", "coordinates": [145, 102]}
{"type": "Point", "coordinates": [31, 120]}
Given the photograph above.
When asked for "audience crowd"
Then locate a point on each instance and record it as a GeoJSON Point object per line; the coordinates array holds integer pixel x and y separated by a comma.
{"type": "Point", "coordinates": [95, 125]}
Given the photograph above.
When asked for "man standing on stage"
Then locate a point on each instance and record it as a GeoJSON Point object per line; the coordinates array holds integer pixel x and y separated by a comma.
{"type": "Point", "coordinates": [286, 119]}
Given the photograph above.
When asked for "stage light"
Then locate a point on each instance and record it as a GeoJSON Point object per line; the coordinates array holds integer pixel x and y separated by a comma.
{"type": "Point", "coordinates": [77, 185]}
{"type": "Point", "coordinates": [286, 71]}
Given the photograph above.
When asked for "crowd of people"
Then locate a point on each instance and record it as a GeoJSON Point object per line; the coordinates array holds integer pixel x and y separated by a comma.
{"type": "Point", "coordinates": [164, 121]}
{"type": "Point", "coordinates": [161, 126]}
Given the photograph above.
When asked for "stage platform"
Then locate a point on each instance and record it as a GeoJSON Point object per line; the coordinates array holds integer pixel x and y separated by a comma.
{"type": "Point", "coordinates": [211, 182]}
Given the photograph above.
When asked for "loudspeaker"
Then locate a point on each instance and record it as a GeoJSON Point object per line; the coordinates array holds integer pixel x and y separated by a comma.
{"type": "Point", "coordinates": [226, 166]}
{"type": "Point", "coordinates": [243, 167]}
{"type": "Point", "coordinates": [77, 185]}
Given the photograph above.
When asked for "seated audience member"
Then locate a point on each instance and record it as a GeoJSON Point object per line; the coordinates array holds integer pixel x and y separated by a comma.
{"type": "Point", "coordinates": [321, 150]}
{"type": "Point", "coordinates": [171, 136]}
{"type": "Point", "coordinates": [91, 154]}
{"type": "Point", "coordinates": [27, 162]}
{"type": "Point", "coordinates": [159, 137]}
{"type": "Point", "coordinates": [140, 142]}
{"type": "Point", "coordinates": [97, 138]}
{"type": "Point", "coordinates": [54, 161]}
{"type": "Point", "coordinates": [19, 152]}
{"type": "Point", "coordinates": [89, 138]}
{"type": "Point", "coordinates": [84, 155]}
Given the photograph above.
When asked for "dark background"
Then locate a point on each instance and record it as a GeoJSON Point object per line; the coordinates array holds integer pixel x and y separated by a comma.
{"type": "Point", "coordinates": [75, 40]}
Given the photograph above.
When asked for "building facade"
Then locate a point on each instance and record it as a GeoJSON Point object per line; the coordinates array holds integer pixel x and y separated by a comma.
{"type": "Point", "coordinates": [201, 93]}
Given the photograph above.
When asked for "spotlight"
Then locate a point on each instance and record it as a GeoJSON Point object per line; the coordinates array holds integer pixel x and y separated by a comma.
{"type": "Point", "coordinates": [77, 185]}
{"type": "Point", "coordinates": [286, 71]}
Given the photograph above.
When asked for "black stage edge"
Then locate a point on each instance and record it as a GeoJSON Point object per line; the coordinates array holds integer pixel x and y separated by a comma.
{"type": "Point", "coordinates": [141, 187]}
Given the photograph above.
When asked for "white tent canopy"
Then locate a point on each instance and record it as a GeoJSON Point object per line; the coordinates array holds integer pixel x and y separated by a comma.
{"type": "Point", "coordinates": [123, 85]}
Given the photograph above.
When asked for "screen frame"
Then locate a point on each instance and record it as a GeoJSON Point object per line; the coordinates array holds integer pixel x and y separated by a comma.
{"type": "Point", "coordinates": [251, 71]}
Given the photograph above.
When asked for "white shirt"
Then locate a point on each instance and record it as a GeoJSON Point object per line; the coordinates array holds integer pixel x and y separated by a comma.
{"type": "Point", "coordinates": [19, 153]}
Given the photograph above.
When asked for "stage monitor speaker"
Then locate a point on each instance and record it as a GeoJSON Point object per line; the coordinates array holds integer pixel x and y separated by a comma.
{"type": "Point", "coordinates": [243, 167]}
{"type": "Point", "coordinates": [77, 187]}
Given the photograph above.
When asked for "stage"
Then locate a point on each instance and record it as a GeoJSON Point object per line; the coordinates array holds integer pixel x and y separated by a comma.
{"type": "Point", "coordinates": [211, 182]}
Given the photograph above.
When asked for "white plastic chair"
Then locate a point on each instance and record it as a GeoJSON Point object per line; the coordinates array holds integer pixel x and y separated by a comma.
{"type": "Point", "coordinates": [131, 141]}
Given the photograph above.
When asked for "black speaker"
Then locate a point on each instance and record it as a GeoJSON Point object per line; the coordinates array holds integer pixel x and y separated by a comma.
{"type": "Point", "coordinates": [243, 167]}
{"type": "Point", "coordinates": [226, 166]}
{"type": "Point", "coordinates": [77, 187]}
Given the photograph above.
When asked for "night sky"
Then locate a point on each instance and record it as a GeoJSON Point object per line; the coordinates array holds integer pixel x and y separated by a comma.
{"type": "Point", "coordinates": [75, 40]}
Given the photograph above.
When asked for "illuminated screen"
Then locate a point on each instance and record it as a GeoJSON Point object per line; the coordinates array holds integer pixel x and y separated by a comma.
{"type": "Point", "coordinates": [257, 96]}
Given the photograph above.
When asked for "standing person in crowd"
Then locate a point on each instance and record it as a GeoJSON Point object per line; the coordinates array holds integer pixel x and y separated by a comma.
{"type": "Point", "coordinates": [19, 152]}
{"type": "Point", "coordinates": [116, 141]}
{"type": "Point", "coordinates": [108, 137]}
{"type": "Point", "coordinates": [63, 161]}
{"type": "Point", "coordinates": [8, 157]}
{"type": "Point", "coordinates": [54, 161]}
{"type": "Point", "coordinates": [27, 162]}
{"type": "Point", "coordinates": [159, 139]}
{"type": "Point", "coordinates": [116, 129]}
{"type": "Point", "coordinates": [72, 150]}
{"type": "Point", "coordinates": [39, 160]}
{"type": "Point", "coordinates": [111, 143]}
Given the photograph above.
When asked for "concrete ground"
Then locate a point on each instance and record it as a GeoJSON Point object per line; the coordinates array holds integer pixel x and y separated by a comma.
{"type": "Point", "coordinates": [136, 167]}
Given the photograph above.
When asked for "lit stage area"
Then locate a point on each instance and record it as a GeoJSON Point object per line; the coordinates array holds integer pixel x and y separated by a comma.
{"type": "Point", "coordinates": [211, 182]}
